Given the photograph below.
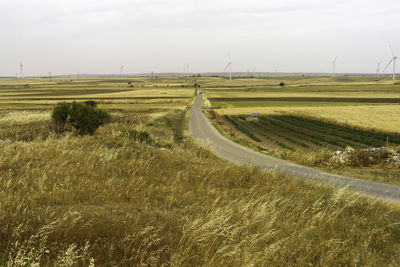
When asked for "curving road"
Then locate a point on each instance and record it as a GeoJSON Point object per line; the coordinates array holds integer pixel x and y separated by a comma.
{"type": "Point", "coordinates": [205, 134]}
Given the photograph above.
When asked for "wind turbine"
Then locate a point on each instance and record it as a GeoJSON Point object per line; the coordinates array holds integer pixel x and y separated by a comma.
{"type": "Point", "coordinates": [229, 68]}
{"type": "Point", "coordinates": [334, 67]}
{"type": "Point", "coordinates": [378, 69]}
{"type": "Point", "coordinates": [186, 69]}
{"type": "Point", "coordinates": [121, 71]}
{"type": "Point", "coordinates": [21, 70]}
{"type": "Point", "coordinates": [394, 58]}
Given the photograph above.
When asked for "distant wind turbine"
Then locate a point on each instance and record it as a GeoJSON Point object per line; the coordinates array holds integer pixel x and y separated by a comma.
{"type": "Point", "coordinates": [229, 68]}
{"type": "Point", "coordinates": [186, 69]}
{"type": "Point", "coordinates": [121, 71]}
{"type": "Point", "coordinates": [394, 58]}
{"type": "Point", "coordinates": [378, 69]}
{"type": "Point", "coordinates": [334, 67]}
{"type": "Point", "coordinates": [21, 70]}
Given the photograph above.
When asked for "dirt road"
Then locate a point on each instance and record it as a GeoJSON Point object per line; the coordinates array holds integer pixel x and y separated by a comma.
{"type": "Point", "coordinates": [205, 134]}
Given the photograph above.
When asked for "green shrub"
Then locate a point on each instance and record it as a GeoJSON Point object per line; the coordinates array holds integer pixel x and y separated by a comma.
{"type": "Point", "coordinates": [86, 119]}
{"type": "Point", "coordinates": [91, 103]}
{"type": "Point", "coordinates": [83, 117]}
{"type": "Point", "coordinates": [59, 116]}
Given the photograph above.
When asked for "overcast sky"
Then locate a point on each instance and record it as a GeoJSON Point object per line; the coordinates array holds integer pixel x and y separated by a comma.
{"type": "Point", "coordinates": [98, 36]}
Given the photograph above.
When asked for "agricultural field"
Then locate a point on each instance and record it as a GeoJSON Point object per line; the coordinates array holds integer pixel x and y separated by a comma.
{"type": "Point", "coordinates": [140, 192]}
{"type": "Point", "coordinates": [376, 117]}
{"type": "Point", "coordinates": [108, 92]}
{"type": "Point", "coordinates": [360, 87]}
{"type": "Point", "coordinates": [244, 91]}
{"type": "Point", "coordinates": [357, 101]}
{"type": "Point", "coordinates": [298, 133]}
{"type": "Point", "coordinates": [308, 119]}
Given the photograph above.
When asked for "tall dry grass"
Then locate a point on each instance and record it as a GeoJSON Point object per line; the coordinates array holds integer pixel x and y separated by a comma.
{"type": "Point", "coordinates": [106, 200]}
{"type": "Point", "coordinates": [24, 125]}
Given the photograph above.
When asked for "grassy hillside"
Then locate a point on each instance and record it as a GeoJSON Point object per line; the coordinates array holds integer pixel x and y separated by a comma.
{"type": "Point", "coordinates": [119, 198]}
{"type": "Point", "coordinates": [109, 200]}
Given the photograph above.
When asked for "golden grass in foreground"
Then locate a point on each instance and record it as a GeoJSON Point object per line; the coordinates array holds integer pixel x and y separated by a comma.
{"type": "Point", "coordinates": [380, 117]}
{"type": "Point", "coordinates": [106, 200]}
{"type": "Point", "coordinates": [23, 117]}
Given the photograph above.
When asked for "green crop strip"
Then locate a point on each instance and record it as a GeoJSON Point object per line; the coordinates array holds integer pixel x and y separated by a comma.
{"type": "Point", "coordinates": [285, 146]}
{"type": "Point", "coordinates": [263, 125]}
{"type": "Point", "coordinates": [347, 134]}
{"type": "Point", "coordinates": [241, 128]}
{"type": "Point", "coordinates": [333, 140]}
{"type": "Point", "coordinates": [332, 132]}
{"type": "Point", "coordinates": [370, 134]}
{"type": "Point", "coordinates": [328, 139]}
{"type": "Point", "coordinates": [262, 133]}
{"type": "Point", "coordinates": [282, 136]}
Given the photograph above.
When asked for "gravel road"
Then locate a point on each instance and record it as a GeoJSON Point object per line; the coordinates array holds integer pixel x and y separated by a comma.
{"type": "Point", "coordinates": [205, 134]}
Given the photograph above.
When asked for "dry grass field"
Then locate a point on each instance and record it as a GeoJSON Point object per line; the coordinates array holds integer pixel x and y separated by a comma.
{"type": "Point", "coordinates": [113, 200]}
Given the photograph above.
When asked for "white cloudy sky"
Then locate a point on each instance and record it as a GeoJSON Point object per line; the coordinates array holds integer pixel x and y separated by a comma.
{"type": "Point", "coordinates": [98, 36]}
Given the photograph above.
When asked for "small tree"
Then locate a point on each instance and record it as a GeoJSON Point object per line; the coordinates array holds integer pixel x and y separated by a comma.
{"type": "Point", "coordinates": [282, 84]}
{"type": "Point", "coordinates": [85, 118]}
{"type": "Point", "coordinates": [59, 116]}
{"type": "Point", "coordinates": [91, 103]}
